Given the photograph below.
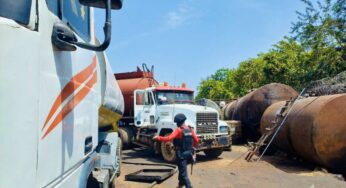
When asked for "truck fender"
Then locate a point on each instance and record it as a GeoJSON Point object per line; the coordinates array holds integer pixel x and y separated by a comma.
{"type": "Point", "coordinates": [161, 132]}
{"type": "Point", "coordinates": [165, 131]}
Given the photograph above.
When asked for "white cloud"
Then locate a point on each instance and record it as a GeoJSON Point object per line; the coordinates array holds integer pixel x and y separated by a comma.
{"type": "Point", "coordinates": [183, 14]}
{"type": "Point", "coordinates": [180, 16]}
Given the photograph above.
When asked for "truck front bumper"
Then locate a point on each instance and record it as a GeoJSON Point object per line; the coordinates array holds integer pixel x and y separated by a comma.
{"type": "Point", "coordinates": [213, 141]}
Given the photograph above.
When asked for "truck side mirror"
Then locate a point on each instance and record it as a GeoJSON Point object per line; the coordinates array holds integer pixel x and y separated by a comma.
{"type": "Point", "coordinates": [108, 5]}
{"type": "Point", "coordinates": [63, 40]}
{"type": "Point", "coordinates": [115, 4]}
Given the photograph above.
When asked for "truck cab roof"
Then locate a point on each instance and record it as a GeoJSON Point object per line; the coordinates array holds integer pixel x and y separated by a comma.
{"type": "Point", "coordinates": [172, 88]}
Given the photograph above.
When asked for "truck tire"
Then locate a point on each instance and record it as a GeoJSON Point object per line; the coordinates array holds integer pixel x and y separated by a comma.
{"type": "Point", "coordinates": [93, 183]}
{"type": "Point", "coordinates": [113, 184]}
{"type": "Point", "coordinates": [213, 153]}
{"type": "Point", "coordinates": [168, 152]}
{"type": "Point", "coordinates": [126, 134]}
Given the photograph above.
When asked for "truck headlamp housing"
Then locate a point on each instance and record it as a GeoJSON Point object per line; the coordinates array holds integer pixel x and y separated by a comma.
{"type": "Point", "coordinates": [224, 129]}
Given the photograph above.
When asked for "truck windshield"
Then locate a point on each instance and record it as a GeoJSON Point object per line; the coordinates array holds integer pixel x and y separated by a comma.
{"type": "Point", "coordinates": [18, 10]}
{"type": "Point", "coordinates": [173, 97]}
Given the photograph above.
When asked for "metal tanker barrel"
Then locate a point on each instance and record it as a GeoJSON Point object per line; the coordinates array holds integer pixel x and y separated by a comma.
{"type": "Point", "coordinates": [229, 109]}
{"type": "Point", "coordinates": [129, 82]}
{"type": "Point", "coordinates": [268, 120]}
{"type": "Point", "coordinates": [222, 112]}
{"type": "Point", "coordinates": [314, 130]}
{"type": "Point", "coordinates": [250, 108]}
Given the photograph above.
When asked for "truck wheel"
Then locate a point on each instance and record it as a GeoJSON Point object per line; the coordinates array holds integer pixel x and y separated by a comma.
{"type": "Point", "coordinates": [93, 183]}
{"type": "Point", "coordinates": [168, 152]}
{"type": "Point", "coordinates": [113, 184]}
{"type": "Point", "coordinates": [213, 153]}
{"type": "Point", "coordinates": [126, 135]}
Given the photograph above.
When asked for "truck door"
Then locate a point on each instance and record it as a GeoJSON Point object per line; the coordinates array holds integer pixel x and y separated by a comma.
{"type": "Point", "coordinates": [144, 108]}
{"type": "Point", "coordinates": [19, 90]}
{"type": "Point", "coordinates": [68, 97]}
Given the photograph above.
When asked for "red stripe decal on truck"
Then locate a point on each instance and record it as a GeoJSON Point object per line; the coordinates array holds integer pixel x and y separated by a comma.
{"type": "Point", "coordinates": [67, 91]}
{"type": "Point", "coordinates": [70, 87]}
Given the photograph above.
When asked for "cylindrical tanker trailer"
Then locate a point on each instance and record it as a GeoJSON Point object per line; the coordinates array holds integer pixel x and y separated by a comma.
{"type": "Point", "coordinates": [229, 109]}
{"type": "Point", "coordinates": [250, 108]}
{"type": "Point", "coordinates": [130, 81]}
{"type": "Point", "coordinates": [315, 130]}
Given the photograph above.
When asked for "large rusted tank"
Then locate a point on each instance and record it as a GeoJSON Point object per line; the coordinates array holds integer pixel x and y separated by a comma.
{"type": "Point", "coordinates": [130, 81]}
{"type": "Point", "coordinates": [250, 108]}
{"type": "Point", "coordinates": [315, 130]}
{"type": "Point", "coordinates": [229, 109]}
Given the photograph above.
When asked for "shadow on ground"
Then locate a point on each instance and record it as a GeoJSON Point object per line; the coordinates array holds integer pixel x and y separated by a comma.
{"type": "Point", "coordinates": [150, 156]}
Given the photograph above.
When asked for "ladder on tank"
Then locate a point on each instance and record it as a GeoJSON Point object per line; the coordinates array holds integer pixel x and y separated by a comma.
{"type": "Point", "coordinates": [270, 130]}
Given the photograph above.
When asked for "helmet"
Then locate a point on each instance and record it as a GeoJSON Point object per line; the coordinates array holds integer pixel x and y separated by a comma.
{"type": "Point", "coordinates": [179, 119]}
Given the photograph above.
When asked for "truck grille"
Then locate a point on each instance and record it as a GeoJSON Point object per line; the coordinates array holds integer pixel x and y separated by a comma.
{"type": "Point", "coordinates": [206, 123]}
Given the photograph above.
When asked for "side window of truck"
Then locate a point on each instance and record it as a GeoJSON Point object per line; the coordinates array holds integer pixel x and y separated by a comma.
{"type": "Point", "coordinates": [139, 98]}
{"type": "Point", "coordinates": [17, 10]}
{"type": "Point", "coordinates": [77, 17]}
{"type": "Point", "coordinates": [53, 6]}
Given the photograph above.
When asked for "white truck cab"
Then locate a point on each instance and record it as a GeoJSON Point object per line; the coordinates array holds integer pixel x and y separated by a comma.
{"type": "Point", "coordinates": [154, 111]}
{"type": "Point", "coordinates": [54, 92]}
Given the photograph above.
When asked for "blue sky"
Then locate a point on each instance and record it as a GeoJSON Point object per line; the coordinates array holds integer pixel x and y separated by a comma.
{"type": "Point", "coordinates": [188, 40]}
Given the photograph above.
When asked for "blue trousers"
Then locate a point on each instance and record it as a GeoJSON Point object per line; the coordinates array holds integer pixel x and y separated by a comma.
{"type": "Point", "coordinates": [182, 158]}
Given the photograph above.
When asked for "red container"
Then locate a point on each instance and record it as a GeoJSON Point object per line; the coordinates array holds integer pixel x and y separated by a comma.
{"type": "Point", "coordinates": [129, 82]}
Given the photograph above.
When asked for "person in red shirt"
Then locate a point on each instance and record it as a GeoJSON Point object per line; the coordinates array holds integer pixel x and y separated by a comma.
{"type": "Point", "coordinates": [185, 141]}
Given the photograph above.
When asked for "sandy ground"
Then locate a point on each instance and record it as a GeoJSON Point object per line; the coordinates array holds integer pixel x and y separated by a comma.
{"type": "Point", "coordinates": [272, 171]}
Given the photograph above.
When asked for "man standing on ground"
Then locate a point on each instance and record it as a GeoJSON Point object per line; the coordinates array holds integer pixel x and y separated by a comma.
{"type": "Point", "coordinates": [184, 140]}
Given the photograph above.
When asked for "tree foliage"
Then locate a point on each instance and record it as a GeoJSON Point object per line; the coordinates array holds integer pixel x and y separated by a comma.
{"type": "Point", "coordinates": [316, 49]}
{"type": "Point", "coordinates": [214, 86]}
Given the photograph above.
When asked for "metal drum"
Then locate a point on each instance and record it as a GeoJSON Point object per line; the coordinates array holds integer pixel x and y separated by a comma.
{"type": "Point", "coordinates": [250, 108]}
{"type": "Point", "coordinates": [315, 130]}
{"type": "Point", "coordinates": [129, 82]}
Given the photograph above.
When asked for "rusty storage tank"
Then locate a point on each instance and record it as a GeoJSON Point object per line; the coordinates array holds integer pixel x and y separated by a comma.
{"type": "Point", "coordinates": [250, 108]}
{"type": "Point", "coordinates": [315, 130]}
{"type": "Point", "coordinates": [229, 109]}
{"type": "Point", "coordinates": [130, 81]}
{"type": "Point", "coordinates": [222, 112]}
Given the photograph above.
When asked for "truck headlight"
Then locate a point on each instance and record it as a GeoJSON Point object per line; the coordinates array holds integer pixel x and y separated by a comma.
{"type": "Point", "coordinates": [224, 129]}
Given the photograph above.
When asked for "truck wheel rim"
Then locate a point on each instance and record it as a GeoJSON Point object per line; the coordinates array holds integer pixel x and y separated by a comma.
{"type": "Point", "coordinates": [168, 151]}
{"type": "Point", "coordinates": [169, 148]}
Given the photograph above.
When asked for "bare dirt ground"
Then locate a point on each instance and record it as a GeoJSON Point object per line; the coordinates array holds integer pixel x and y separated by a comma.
{"type": "Point", "coordinates": [272, 171]}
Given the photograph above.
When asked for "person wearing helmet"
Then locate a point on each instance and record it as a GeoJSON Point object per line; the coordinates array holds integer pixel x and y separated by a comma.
{"type": "Point", "coordinates": [184, 140]}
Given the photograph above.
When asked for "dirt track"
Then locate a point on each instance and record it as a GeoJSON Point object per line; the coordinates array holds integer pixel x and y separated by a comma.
{"type": "Point", "coordinates": [270, 172]}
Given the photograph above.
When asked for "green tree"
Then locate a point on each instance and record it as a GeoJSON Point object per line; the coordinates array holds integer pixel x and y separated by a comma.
{"type": "Point", "coordinates": [316, 50]}
{"type": "Point", "coordinates": [285, 63]}
{"type": "Point", "coordinates": [214, 86]}
{"type": "Point", "coordinates": [220, 75]}
{"type": "Point", "coordinates": [321, 30]}
{"type": "Point", "coordinates": [247, 76]}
